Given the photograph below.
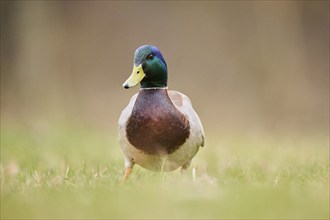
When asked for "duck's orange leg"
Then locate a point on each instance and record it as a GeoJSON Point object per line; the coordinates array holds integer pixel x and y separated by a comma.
{"type": "Point", "coordinates": [128, 171]}
{"type": "Point", "coordinates": [185, 166]}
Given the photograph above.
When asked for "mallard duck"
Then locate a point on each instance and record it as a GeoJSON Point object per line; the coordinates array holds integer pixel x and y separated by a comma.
{"type": "Point", "coordinates": [159, 129]}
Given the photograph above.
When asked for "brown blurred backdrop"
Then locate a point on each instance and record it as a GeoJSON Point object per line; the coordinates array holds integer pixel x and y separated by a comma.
{"type": "Point", "coordinates": [246, 65]}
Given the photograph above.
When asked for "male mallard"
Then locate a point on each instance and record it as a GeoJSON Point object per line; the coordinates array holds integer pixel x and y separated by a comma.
{"type": "Point", "coordinates": [159, 129]}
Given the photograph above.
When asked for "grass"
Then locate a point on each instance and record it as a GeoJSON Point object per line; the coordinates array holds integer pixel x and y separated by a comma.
{"type": "Point", "coordinates": [75, 173]}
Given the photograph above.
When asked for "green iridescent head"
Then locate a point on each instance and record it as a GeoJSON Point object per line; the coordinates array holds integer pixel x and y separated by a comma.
{"type": "Point", "coordinates": [150, 69]}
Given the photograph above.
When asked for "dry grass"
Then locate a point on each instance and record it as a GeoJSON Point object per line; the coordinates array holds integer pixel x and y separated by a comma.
{"type": "Point", "coordinates": [70, 173]}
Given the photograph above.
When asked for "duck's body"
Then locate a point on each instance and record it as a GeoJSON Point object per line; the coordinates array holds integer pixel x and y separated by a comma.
{"type": "Point", "coordinates": [159, 129]}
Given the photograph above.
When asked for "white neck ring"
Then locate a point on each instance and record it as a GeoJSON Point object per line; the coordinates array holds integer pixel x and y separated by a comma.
{"type": "Point", "coordinates": [153, 88]}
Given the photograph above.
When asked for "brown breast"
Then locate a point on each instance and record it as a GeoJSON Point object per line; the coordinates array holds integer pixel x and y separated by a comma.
{"type": "Point", "coordinates": [155, 126]}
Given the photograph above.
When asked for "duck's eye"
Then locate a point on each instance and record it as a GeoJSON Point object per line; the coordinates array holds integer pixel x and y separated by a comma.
{"type": "Point", "coordinates": [150, 56]}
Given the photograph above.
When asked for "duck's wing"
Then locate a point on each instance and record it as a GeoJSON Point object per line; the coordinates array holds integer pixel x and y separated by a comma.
{"type": "Point", "coordinates": [183, 104]}
{"type": "Point", "coordinates": [125, 114]}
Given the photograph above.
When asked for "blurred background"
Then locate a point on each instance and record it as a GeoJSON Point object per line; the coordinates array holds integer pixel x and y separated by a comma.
{"type": "Point", "coordinates": [251, 66]}
{"type": "Point", "coordinates": [257, 73]}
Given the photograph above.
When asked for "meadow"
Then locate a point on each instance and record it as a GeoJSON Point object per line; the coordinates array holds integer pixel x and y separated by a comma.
{"type": "Point", "coordinates": [66, 172]}
{"type": "Point", "coordinates": [257, 73]}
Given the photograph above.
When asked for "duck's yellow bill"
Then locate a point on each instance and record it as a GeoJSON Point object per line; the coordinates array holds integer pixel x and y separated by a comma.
{"type": "Point", "coordinates": [136, 77]}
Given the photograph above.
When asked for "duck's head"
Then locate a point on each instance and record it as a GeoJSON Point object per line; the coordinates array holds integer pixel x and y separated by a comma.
{"type": "Point", "coordinates": [150, 69]}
